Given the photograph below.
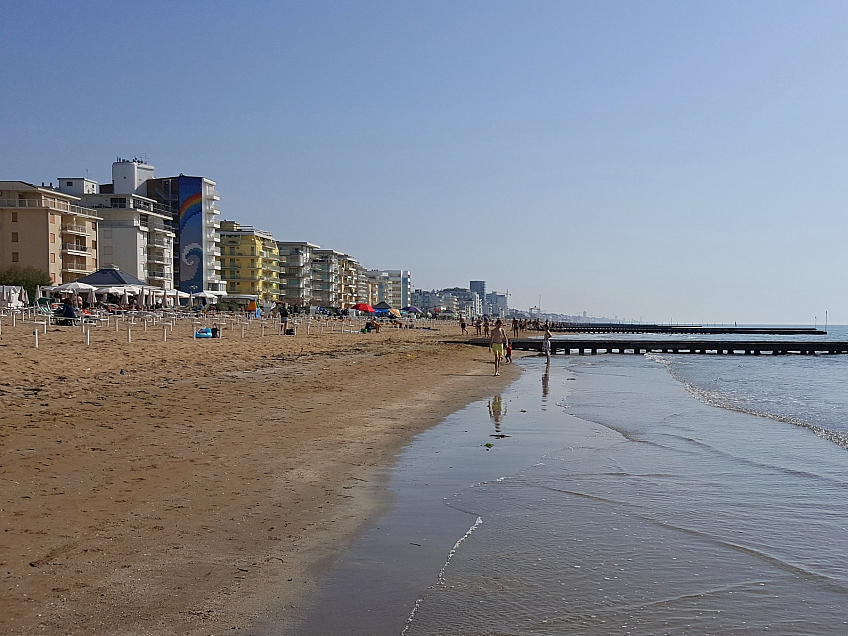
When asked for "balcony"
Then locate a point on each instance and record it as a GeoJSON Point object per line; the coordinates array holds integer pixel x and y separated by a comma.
{"type": "Point", "coordinates": [157, 243]}
{"type": "Point", "coordinates": [158, 274]}
{"type": "Point", "coordinates": [160, 260]}
{"type": "Point", "coordinates": [71, 228]}
{"type": "Point", "coordinates": [75, 267]}
{"type": "Point", "coordinates": [213, 194]}
{"type": "Point", "coordinates": [48, 202]}
{"type": "Point", "coordinates": [77, 249]}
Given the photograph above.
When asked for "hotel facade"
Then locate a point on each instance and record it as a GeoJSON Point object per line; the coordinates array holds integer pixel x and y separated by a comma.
{"type": "Point", "coordinates": [46, 229]}
{"type": "Point", "coordinates": [250, 262]}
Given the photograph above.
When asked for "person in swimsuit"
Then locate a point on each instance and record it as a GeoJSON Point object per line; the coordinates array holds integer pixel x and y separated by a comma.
{"type": "Point", "coordinates": [546, 343]}
{"type": "Point", "coordinates": [498, 341]}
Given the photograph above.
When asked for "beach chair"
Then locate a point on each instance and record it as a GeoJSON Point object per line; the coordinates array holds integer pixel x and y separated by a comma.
{"type": "Point", "coordinates": [42, 310]}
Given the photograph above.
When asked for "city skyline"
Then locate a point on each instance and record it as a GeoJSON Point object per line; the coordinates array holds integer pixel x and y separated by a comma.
{"type": "Point", "coordinates": [675, 161]}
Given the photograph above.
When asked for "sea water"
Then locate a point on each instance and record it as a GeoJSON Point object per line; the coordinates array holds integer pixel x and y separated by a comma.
{"type": "Point", "coordinates": [620, 494]}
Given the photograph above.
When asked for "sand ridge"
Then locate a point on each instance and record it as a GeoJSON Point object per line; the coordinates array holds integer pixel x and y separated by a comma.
{"type": "Point", "coordinates": [191, 487]}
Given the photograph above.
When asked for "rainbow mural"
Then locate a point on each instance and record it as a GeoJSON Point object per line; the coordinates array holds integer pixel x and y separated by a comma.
{"type": "Point", "coordinates": [191, 234]}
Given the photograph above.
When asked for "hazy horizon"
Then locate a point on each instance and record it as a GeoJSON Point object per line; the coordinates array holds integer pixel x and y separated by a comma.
{"type": "Point", "coordinates": [669, 161]}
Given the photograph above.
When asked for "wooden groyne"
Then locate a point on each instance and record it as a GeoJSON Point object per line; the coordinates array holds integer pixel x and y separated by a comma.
{"type": "Point", "coordinates": [581, 347]}
{"type": "Point", "coordinates": [684, 329]}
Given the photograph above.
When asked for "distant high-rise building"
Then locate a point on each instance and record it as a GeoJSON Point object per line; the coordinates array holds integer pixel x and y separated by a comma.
{"type": "Point", "coordinates": [393, 286]}
{"type": "Point", "coordinates": [478, 286]}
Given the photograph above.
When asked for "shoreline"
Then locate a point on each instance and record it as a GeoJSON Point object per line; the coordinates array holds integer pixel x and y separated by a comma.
{"type": "Point", "coordinates": [205, 486]}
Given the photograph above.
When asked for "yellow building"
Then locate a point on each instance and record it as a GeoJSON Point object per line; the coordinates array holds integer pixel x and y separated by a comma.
{"type": "Point", "coordinates": [46, 229]}
{"type": "Point", "coordinates": [249, 263]}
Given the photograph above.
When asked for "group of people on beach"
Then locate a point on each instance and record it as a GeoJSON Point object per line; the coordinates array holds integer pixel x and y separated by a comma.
{"type": "Point", "coordinates": [500, 347]}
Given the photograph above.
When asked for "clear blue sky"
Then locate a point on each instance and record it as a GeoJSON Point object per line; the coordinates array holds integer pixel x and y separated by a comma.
{"type": "Point", "coordinates": [682, 161]}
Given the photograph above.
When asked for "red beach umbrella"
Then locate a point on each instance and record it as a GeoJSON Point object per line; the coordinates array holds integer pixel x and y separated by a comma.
{"type": "Point", "coordinates": [363, 307]}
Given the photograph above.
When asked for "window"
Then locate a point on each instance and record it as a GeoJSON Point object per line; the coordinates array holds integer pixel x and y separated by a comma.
{"type": "Point", "coordinates": [70, 184]}
{"type": "Point", "coordinates": [14, 217]}
{"type": "Point", "coordinates": [15, 257]}
{"type": "Point", "coordinates": [14, 237]}
{"type": "Point", "coordinates": [232, 251]}
{"type": "Point", "coordinates": [93, 225]}
{"type": "Point", "coordinates": [94, 245]}
{"type": "Point", "coordinates": [52, 258]}
{"type": "Point", "coordinates": [52, 237]}
{"type": "Point", "coordinates": [52, 218]}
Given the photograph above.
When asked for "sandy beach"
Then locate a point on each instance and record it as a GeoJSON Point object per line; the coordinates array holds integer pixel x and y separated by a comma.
{"type": "Point", "coordinates": [191, 487]}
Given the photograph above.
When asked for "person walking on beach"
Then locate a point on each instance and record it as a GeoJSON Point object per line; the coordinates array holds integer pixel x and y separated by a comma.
{"type": "Point", "coordinates": [478, 324]}
{"type": "Point", "coordinates": [486, 326]}
{"type": "Point", "coordinates": [515, 327]}
{"type": "Point", "coordinates": [546, 343]}
{"type": "Point", "coordinates": [463, 324]}
{"type": "Point", "coordinates": [284, 319]}
{"type": "Point", "coordinates": [498, 342]}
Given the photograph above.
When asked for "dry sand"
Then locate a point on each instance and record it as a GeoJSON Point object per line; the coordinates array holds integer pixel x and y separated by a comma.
{"type": "Point", "coordinates": [198, 490]}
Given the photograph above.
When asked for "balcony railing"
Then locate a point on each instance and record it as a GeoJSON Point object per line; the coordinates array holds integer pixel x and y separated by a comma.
{"type": "Point", "coordinates": [111, 224]}
{"type": "Point", "coordinates": [75, 267]}
{"type": "Point", "coordinates": [75, 248]}
{"type": "Point", "coordinates": [47, 202]}
{"type": "Point", "coordinates": [159, 260]}
{"type": "Point", "coordinates": [75, 229]}
{"type": "Point", "coordinates": [158, 274]}
{"type": "Point", "coordinates": [158, 243]}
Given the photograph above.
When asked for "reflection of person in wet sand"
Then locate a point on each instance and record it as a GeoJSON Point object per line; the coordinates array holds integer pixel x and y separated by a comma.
{"type": "Point", "coordinates": [546, 377]}
{"type": "Point", "coordinates": [498, 341]}
{"type": "Point", "coordinates": [496, 411]}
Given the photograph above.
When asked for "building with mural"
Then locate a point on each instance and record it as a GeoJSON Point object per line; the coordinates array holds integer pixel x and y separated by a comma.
{"type": "Point", "coordinates": [193, 205]}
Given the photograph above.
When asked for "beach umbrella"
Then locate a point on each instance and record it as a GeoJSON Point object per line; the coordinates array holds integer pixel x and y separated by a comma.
{"type": "Point", "coordinates": [363, 307]}
{"type": "Point", "coordinates": [75, 287]}
{"type": "Point", "coordinates": [394, 312]}
{"type": "Point", "coordinates": [412, 309]}
{"type": "Point", "coordinates": [126, 298]}
{"type": "Point", "coordinates": [113, 289]}
{"type": "Point", "coordinates": [91, 297]}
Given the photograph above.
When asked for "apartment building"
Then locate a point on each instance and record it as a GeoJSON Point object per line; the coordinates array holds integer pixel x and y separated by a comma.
{"type": "Point", "coordinates": [192, 203]}
{"type": "Point", "coordinates": [135, 234]}
{"type": "Point", "coordinates": [296, 272]}
{"type": "Point", "coordinates": [327, 278]}
{"type": "Point", "coordinates": [249, 262]}
{"type": "Point", "coordinates": [43, 228]}
{"type": "Point", "coordinates": [363, 286]}
{"type": "Point", "coordinates": [393, 286]}
{"type": "Point", "coordinates": [349, 274]}
{"type": "Point", "coordinates": [468, 303]}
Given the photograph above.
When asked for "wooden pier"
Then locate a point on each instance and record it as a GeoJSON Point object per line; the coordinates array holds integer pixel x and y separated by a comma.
{"type": "Point", "coordinates": [581, 347]}
{"type": "Point", "coordinates": [684, 329]}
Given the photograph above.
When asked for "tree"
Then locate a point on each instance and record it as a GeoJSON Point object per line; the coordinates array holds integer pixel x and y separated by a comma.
{"type": "Point", "coordinates": [27, 277]}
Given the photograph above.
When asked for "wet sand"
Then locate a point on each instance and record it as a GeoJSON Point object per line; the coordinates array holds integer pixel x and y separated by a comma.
{"type": "Point", "coordinates": [207, 485]}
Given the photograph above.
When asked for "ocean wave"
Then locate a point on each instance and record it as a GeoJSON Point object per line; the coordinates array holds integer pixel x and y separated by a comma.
{"type": "Point", "coordinates": [723, 400]}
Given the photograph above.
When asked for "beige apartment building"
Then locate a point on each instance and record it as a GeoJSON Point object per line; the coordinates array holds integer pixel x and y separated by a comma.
{"type": "Point", "coordinates": [46, 229]}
